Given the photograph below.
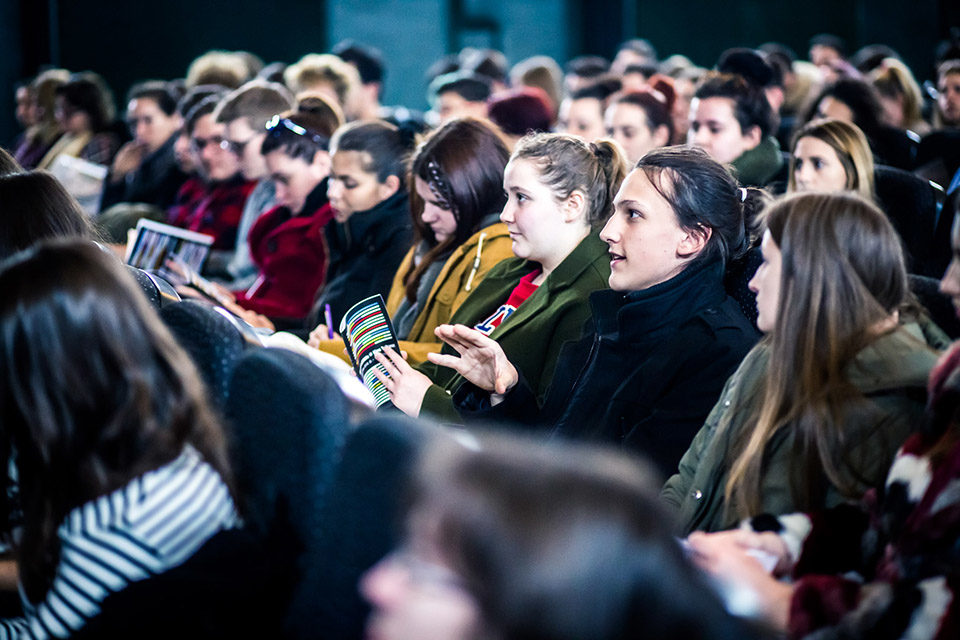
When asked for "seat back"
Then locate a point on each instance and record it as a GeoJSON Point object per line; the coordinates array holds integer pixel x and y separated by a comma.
{"type": "Point", "coordinates": [213, 342]}
{"type": "Point", "coordinates": [360, 522]}
{"type": "Point", "coordinates": [912, 204]}
{"type": "Point", "coordinates": [288, 422]}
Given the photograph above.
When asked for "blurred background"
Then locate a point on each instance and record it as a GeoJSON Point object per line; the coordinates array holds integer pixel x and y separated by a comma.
{"type": "Point", "coordinates": [128, 41]}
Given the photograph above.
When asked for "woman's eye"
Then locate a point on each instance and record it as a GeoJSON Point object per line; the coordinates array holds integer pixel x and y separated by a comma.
{"type": "Point", "coordinates": [633, 214]}
{"type": "Point", "coordinates": [817, 164]}
{"type": "Point", "coordinates": [715, 130]}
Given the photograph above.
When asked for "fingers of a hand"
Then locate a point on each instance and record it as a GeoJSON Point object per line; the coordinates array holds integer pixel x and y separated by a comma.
{"type": "Point", "coordinates": [444, 360]}
{"type": "Point", "coordinates": [384, 380]}
{"type": "Point", "coordinates": [472, 336]}
{"type": "Point", "coordinates": [386, 362]}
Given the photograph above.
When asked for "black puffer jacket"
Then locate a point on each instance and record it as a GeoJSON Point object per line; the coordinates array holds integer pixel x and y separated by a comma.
{"type": "Point", "coordinates": [647, 371]}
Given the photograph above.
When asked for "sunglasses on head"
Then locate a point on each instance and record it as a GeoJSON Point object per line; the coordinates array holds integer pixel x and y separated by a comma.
{"type": "Point", "coordinates": [276, 125]}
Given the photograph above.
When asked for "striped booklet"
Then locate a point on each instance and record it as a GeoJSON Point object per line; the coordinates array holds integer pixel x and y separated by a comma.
{"type": "Point", "coordinates": [366, 329]}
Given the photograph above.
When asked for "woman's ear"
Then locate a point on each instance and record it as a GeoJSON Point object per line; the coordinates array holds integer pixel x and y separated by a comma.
{"type": "Point", "coordinates": [753, 135]}
{"type": "Point", "coordinates": [574, 207]}
{"type": "Point", "coordinates": [388, 187]}
{"type": "Point", "coordinates": [694, 241]}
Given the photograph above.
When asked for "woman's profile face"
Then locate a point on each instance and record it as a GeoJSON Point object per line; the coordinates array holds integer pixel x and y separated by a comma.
{"type": "Point", "coordinates": [643, 237]}
{"type": "Point", "coordinates": [436, 214]}
{"type": "Point", "coordinates": [531, 212]}
{"type": "Point", "coordinates": [351, 188]}
{"type": "Point", "coordinates": [766, 284]}
{"type": "Point", "coordinates": [627, 124]}
{"type": "Point", "coordinates": [817, 167]}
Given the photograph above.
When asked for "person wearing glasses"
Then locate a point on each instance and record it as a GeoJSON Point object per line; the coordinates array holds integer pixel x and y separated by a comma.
{"type": "Point", "coordinates": [245, 113]}
{"type": "Point", "coordinates": [212, 201]}
{"type": "Point", "coordinates": [145, 169]}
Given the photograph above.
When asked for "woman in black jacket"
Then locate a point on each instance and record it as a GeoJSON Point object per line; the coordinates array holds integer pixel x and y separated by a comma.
{"type": "Point", "coordinates": [662, 340]}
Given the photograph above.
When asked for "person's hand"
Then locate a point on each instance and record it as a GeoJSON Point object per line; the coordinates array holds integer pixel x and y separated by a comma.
{"type": "Point", "coordinates": [482, 360]}
{"type": "Point", "coordinates": [406, 385]}
{"type": "Point", "coordinates": [723, 556]}
{"type": "Point", "coordinates": [320, 334]}
{"type": "Point", "coordinates": [254, 319]}
{"type": "Point", "coordinates": [128, 158]}
{"type": "Point", "coordinates": [765, 542]}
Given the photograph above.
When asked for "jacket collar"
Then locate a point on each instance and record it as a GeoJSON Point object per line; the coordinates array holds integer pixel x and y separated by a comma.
{"type": "Point", "coordinates": [759, 165]}
{"type": "Point", "coordinates": [384, 218]}
{"type": "Point", "coordinates": [590, 253]}
{"type": "Point", "coordinates": [637, 313]}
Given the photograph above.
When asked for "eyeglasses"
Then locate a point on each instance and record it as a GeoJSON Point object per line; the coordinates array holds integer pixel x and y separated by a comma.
{"type": "Point", "coordinates": [276, 122]}
{"type": "Point", "coordinates": [236, 147]}
{"type": "Point", "coordinates": [199, 144]}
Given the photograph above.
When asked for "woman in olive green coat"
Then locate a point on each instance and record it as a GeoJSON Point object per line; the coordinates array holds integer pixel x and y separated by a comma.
{"type": "Point", "coordinates": [559, 190]}
{"type": "Point", "coordinates": [817, 410]}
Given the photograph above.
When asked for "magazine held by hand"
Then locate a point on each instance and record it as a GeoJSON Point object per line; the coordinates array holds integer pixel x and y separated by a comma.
{"type": "Point", "coordinates": [366, 329]}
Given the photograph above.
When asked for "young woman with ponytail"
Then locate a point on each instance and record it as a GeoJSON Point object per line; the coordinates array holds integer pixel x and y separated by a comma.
{"type": "Point", "coordinates": [559, 190]}
{"type": "Point", "coordinates": [814, 415]}
{"type": "Point", "coordinates": [661, 341]}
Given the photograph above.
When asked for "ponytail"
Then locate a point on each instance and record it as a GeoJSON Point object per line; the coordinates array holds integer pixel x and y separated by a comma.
{"type": "Point", "coordinates": [612, 169]}
{"type": "Point", "coordinates": [569, 164]}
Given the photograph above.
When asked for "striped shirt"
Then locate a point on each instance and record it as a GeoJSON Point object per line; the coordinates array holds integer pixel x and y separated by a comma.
{"type": "Point", "coordinates": [152, 524]}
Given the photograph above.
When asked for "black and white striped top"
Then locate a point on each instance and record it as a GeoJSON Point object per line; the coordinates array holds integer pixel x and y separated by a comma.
{"type": "Point", "coordinates": [153, 524]}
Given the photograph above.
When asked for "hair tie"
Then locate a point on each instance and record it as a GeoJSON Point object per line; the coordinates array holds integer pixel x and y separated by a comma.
{"type": "Point", "coordinates": [743, 194]}
{"type": "Point", "coordinates": [440, 188]}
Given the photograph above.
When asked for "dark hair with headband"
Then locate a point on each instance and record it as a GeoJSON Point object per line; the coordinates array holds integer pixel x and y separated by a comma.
{"type": "Point", "coordinates": [462, 164]}
{"type": "Point", "coordinates": [704, 194]}
{"type": "Point", "coordinates": [299, 134]}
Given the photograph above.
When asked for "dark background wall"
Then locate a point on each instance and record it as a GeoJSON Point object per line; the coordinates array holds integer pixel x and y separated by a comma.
{"type": "Point", "coordinates": [127, 41]}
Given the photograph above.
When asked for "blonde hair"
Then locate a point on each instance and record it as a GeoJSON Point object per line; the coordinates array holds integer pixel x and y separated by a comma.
{"type": "Point", "coordinates": [851, 147]}
{"type": "Point", "coordinates": [893, 78]}
{"type": "Point", "coordinates": [314, 70]}
{"type": "Point", "coordinates": [223, 68]}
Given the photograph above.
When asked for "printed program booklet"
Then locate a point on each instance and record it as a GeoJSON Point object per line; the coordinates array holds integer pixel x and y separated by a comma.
{"type": "Point", "coordinates": [366, 329]}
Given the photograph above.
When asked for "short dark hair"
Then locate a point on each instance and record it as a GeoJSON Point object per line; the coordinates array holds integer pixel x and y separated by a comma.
{"type": "Point", "coordinates": [750, 105]}
{"type": "Point", "coordinates": [368, 60]}
{"type": "Point", "coordinates": [387, 146]}
{"type": "Point", "coordinates": [256, 102]}
{"type": "Point", "coordinates": [640, 46]}
{"type": "Point", "coordinates": [829, 40]}
{"type": "Point", "coordinates": [88, 92]}
{"type": "Point", "coordinates": [488, 63]}
{"type": "Point", "coordinates": [157, 90]}
{"type": "Point", "coordinates": [205, 107]}
{"type": "Point", "coordinates": [587, 66]}
{"type": "Point", "coordinates": [860, 97]}
{"type": "Point", "coordinates": [750, 64]}
{"type": "Point", "coordinates": [469, 86]}
{"type": "Point", "coordinates": [195, 96]}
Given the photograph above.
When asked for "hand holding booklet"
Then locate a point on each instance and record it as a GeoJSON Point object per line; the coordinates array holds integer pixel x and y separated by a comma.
{"type": "Point", "coordinates": [366, 329]}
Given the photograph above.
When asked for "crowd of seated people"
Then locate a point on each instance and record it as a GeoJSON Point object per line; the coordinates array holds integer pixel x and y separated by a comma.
{"type": "Point", "coordinates": [673, 348]}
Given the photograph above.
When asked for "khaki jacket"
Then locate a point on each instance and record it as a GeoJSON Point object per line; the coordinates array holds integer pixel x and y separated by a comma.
{"type": "Point", "coordinates": [463, 271]}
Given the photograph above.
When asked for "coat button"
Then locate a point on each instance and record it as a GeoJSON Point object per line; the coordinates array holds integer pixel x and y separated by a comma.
{"type": "Point", "coordinates": [696, 494]}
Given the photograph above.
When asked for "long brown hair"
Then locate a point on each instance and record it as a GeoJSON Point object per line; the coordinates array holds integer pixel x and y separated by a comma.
{"type": "Point", "coordinates": [842, 274]}
{"type": "Point", "coordinates": [93, 392]}
{"type": "Point", "coordinates": [463, 162]}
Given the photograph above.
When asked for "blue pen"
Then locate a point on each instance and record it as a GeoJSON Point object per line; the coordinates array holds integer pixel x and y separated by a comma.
{"type": "Point", "coordinates": [329, 320]}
